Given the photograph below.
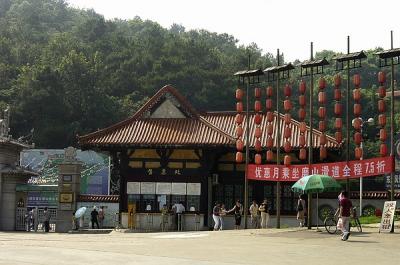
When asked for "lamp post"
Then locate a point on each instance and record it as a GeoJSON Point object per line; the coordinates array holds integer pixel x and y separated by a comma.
{"type": "Point", "coordinates": [370, 121]}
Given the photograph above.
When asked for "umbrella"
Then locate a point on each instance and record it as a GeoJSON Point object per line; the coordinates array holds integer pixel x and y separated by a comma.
{"type": "Point", "coordinates": [81, 211]}
{"type": "Point", "coordinates": [314, 184]}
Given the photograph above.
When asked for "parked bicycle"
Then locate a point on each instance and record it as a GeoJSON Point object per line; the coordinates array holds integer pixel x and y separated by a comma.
{"type": "Point", "coordinates": [331, 220]}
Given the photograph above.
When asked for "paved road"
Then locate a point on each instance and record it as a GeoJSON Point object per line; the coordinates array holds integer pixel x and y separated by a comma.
{"type": "Point", "coordinates": [285, 246]}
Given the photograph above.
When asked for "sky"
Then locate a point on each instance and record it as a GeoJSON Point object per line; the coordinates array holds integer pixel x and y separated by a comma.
{"type": "Point", "coordinates": [290, 25]}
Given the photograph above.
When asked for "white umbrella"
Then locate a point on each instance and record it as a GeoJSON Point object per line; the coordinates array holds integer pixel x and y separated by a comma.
{"type": "Point", "coordinates": [81, 211]}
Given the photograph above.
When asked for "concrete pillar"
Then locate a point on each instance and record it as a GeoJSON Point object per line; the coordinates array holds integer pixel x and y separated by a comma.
{"type": "Point", "coordinates": [69, 181]}
{"type": "Point", "coordinates": [8, 199]}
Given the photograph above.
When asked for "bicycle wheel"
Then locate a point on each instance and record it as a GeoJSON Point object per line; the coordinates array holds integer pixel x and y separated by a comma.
{"type": "Point", "coordinates": [330, 225]}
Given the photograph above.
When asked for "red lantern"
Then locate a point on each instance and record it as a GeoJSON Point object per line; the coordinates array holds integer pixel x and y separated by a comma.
{"type": "Point", "coordinates": [382, 135]}
{"type": "Point", "coordinates": [322, 139]}
{"type": "Point", "coordinates": [257, 159]}
{"type": "Point", "coordinates": [303, 127]}
{"type": "Point", "coordinates": [382, 91]}
{"type": "Point", "coordinates": [303, 154]}
{"type": "Point", "coordinates": [302, 100]}
{"type": "Point", "coordinates": [239, 145]}
{"type": "Point", "coordinates": [269, 91]}
{"type": "Point", "coordinates": [239, 157]}
{"type": "Point", "coordinates": [338, 109]}
{"type": "Point", "coordinates": [257, 132]}
{"type": "Point", "coordinates": [322, 97]}
{"type": "Point", "coordinates": [381, 105]}
{"type": "Point", "coordinates": [383, 150]}
{"type": "Point", "coordinates": [382, 120]}
{"type": "Point", "coordinates": [381, 77]}
{"type": "Point", "coordinates": [270, 116]}
{"type": "Point", "coordinates": [357, 124]}
{"type": "Point", "coordinates": [239, 94]}
{"type": "Point", "coordinates": [302, 140]}
{"type": "Point", "coordinates": [239, 118]}
{"type": "Point", "coordinates": [239, 131]}
{"type": "Point", "coordinates": [287, 91]}
{"type": "Point", "coordinates": [257, 92]}
{"type": "Point", "coordinates": [270, 155]}
{"type": "Point", "coordinates": [239, 106]}
{"type": "Point", "coordinates": [302, 87]}
{"type": "Point", "coordinates": [322, 126]}
{"type": "Point", "coordinates": [257, 106]}
{"type": "Point", "coordinates": [338, 80]}
{"type": "Point", "coordinates": [287, 118]}
{"type": "Point", "coordinates": [357, 138]}
{"type": "Point", "coordinates": [270, 129]}
{"type": "Point", "coordinates": [322, 152]}
{"type": "Point", "coordinates": [287, 104]}
{"type": "Point", "coordinates": [357, 94]}
{"type": "Point", "coordinates": [357, 109]}
{"type": "Point", "coordinates": [287, 160]}
{"type": "Point", "coordinates": [322, 83]}
{"type": "Point", "coordinates": [338, 137]}
{"type": "Point", "coordinates": [268, 104]}
{"type": "Point", "coordinates": [338, 123]}
{"type": "Point", "coordinates": [287, 132]}
{"type": "Point", "coordinates": [321, 112]}
{"type": "Point", "coordinates": [287, 147]}
{"type": "Point", "coordinates": [356, 80]}
{"type": "Point", "coordinates": [257, 119]}
{"type": "Point", "coordinates": [302, 114]}
{"type": "Point", "coordinates": [337, 94]}
{"type": "Point", "coordinates": [257, 146]}
{"type": "Point", "coordinates": [358, 152]}
{"type": "Point", "coordinates": [270, 142]}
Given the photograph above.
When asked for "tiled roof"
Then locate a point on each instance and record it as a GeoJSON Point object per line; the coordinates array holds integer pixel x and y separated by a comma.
{"type": "Point", "coordinates": [98, 198]}
{"type": "Point", "coordinates": [208, 129]}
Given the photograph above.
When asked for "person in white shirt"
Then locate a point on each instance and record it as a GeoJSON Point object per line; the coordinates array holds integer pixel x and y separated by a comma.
{"type": "Point", "coordinates": [254, 214]}
{"type": "Point", "coordinates": [178, 209]}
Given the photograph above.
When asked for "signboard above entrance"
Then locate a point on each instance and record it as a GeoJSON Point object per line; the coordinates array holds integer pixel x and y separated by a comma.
{"type": "Point", "coordinates": [337, 170]}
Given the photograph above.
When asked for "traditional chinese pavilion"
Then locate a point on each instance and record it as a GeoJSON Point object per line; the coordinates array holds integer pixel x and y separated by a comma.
{"type": "Point", "coordinates": [169, 152]}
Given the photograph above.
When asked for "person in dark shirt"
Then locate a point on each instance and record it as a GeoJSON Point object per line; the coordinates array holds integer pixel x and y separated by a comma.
{"type": "Point", "coordinates": [345, 210]}
{"type": "Point", "coordinates": [94, 215]}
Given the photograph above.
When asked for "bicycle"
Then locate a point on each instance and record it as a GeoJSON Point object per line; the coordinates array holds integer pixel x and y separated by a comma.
{"type": "Point", "coordinates": [331, 220]}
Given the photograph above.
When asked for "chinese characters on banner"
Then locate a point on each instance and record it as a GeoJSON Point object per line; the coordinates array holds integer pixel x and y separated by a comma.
{"type": "Point", "coordinates": [337, 170]}
{"type": "Point", "coordinates": [387, 216]}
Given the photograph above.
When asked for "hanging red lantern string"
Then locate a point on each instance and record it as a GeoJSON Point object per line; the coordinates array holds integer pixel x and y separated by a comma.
{"type": "Point", "coordinates": [322, 117]}
{"type": "Point", "coordinates": [287, 131]}
{"type": "Point", "coordinates": [337, 95]}
{"type": "Point", "coordinates": [357, 122]}
{"type": "Point", "coordinates": [239, 128]}
{"type": "Point", "coordinates": [302, 116]}
{"type": "Point", "coordinates": [257, 122]}
{"type": "Point", "coordinates": [382, 117]}
{"type": "Point", "coordinates": [270, 125]}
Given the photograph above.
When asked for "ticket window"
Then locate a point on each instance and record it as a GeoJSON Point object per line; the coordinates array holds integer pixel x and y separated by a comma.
{"type": "Point", "coordinates": [163, 199]}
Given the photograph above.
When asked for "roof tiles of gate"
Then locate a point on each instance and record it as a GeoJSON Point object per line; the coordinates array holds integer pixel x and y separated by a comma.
{"type": "Point", "coordinates": [187, 128]}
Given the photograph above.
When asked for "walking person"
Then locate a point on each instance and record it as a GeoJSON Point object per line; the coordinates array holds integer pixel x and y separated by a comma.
{"type": "Point", "coordinates": [94, 214]}
{"type": "Point", "coordinates": [46, 222]}
{"type": "Point", "coordinates": [264, 211]}
{"type": "Point", "coordinates": [254, 214]}
{"type": "Point", "coordinates": [35, 218]}
{"type": "Point", "coordinates": [238, 212]}
{"type": "Point", "coordinates": [344, 213]}
{"type": "Point", "coordinates": [73, 220]}
{"type": "Point", "coordinates": [28, 220]}
{"type": "Point", "coordinates": [178, 209]}
{"type": "Point", "coordinates": [102, 215]}
{"type": "Point", "coordinates": [301, 209]}
{"type": "Point", "coordinates": [222, 213]}
{"type": "Point", "coordinates": [216, 216]}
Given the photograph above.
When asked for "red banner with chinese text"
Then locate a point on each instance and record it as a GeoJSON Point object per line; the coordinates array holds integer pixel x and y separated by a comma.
{"type": "Point", "coordinates": [337, 170]}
